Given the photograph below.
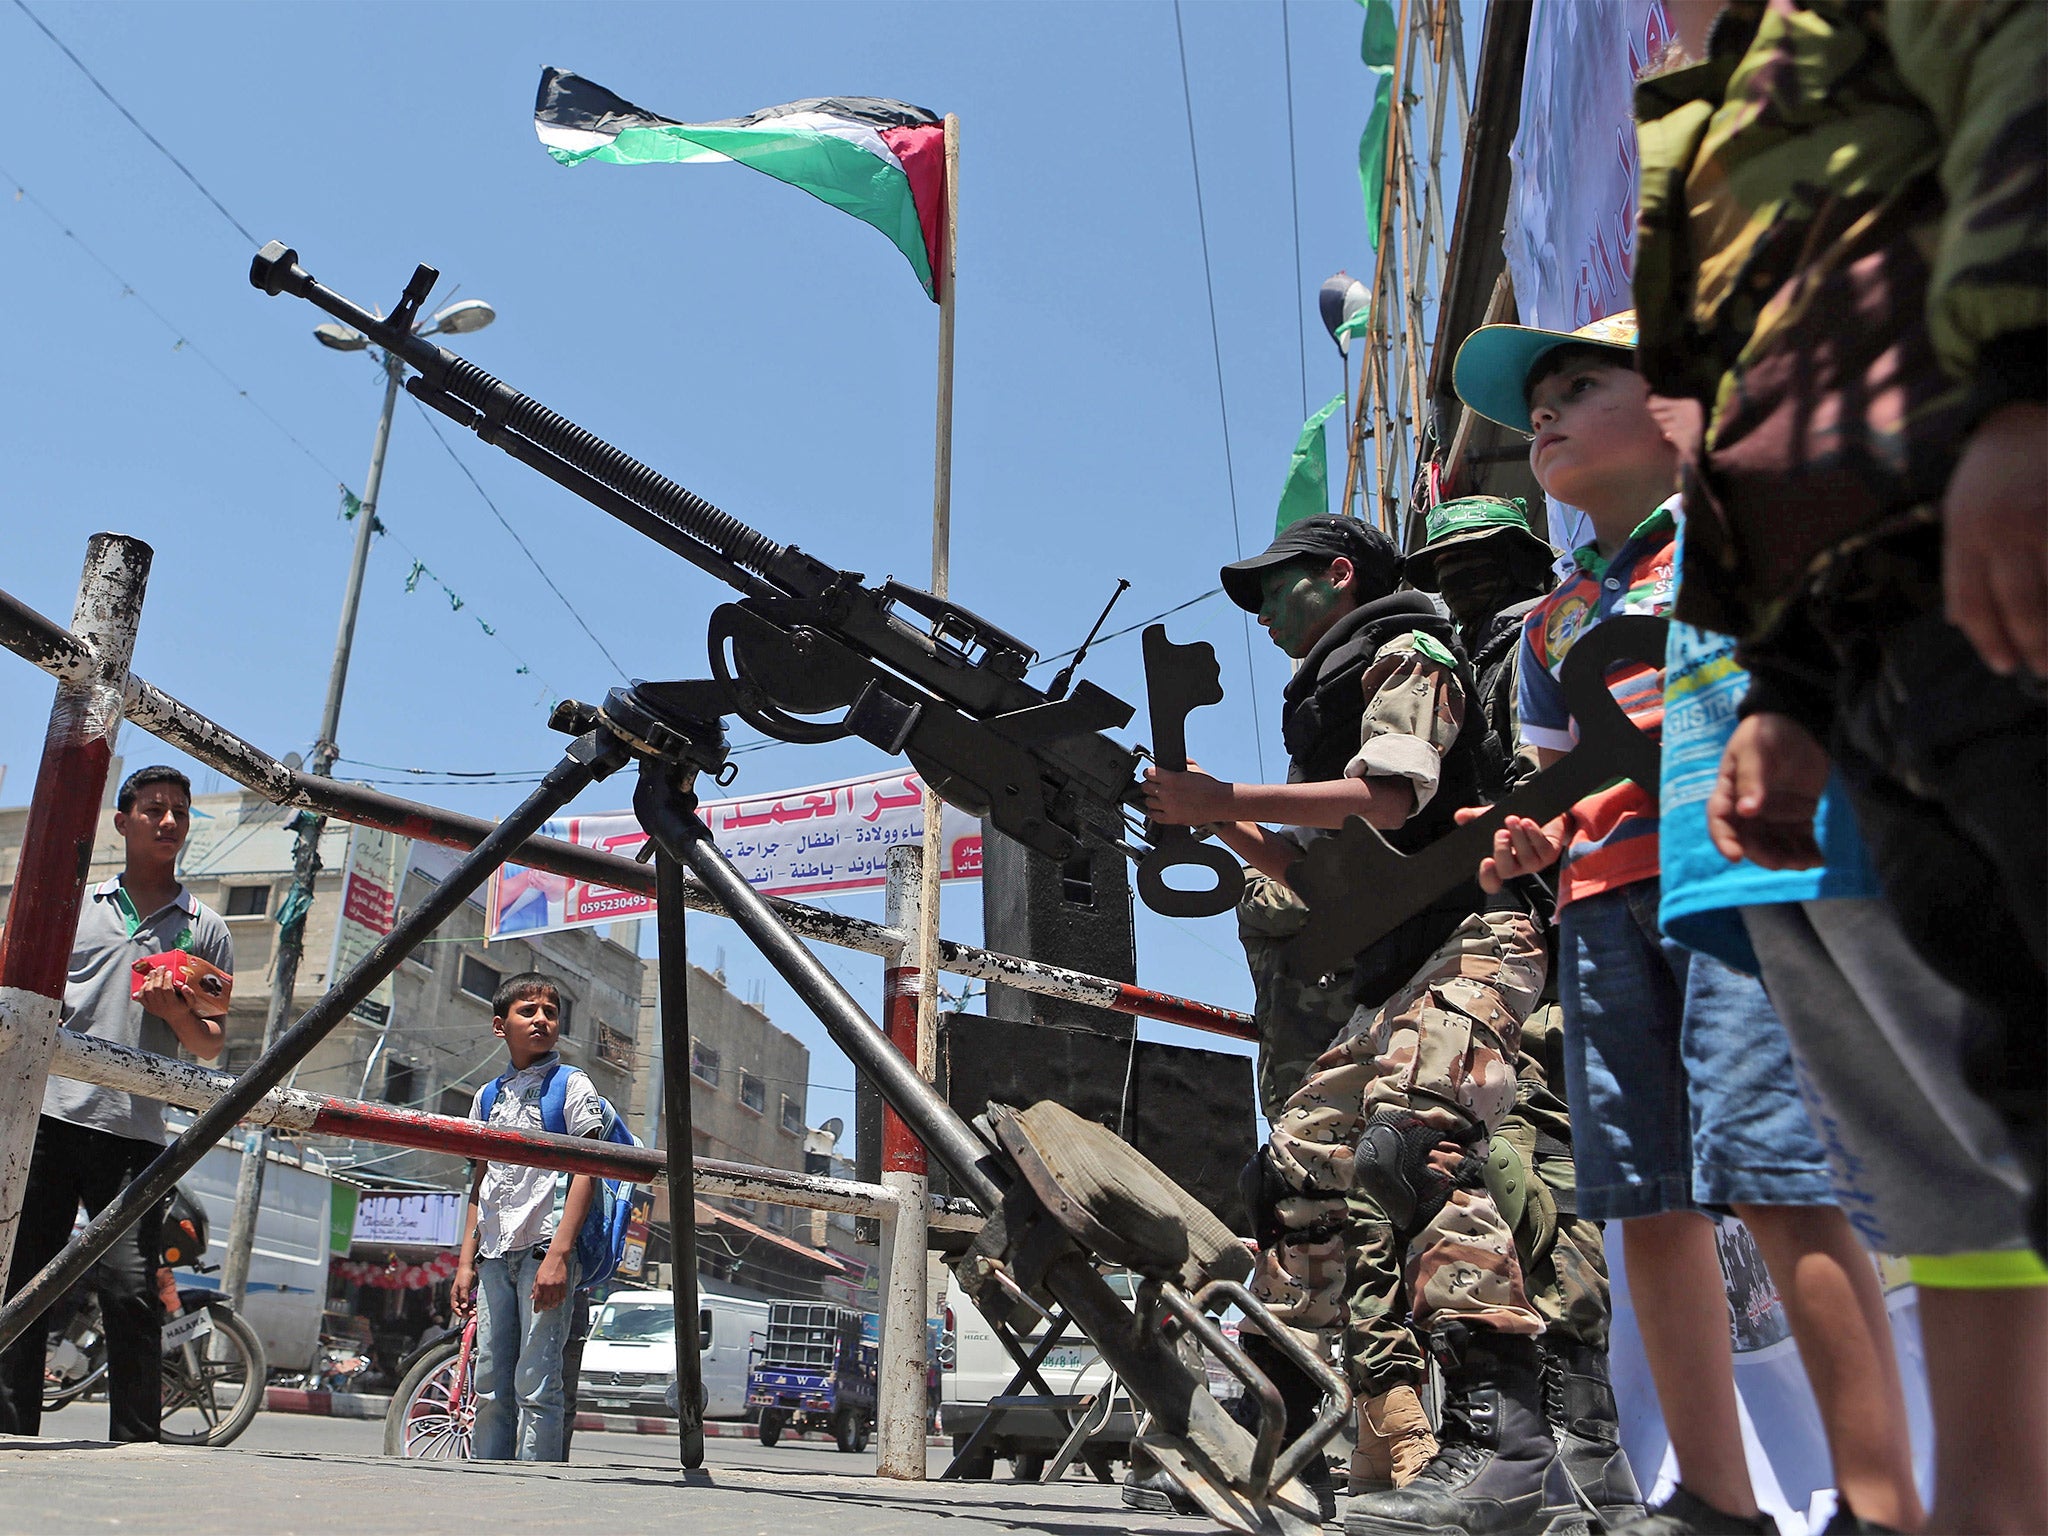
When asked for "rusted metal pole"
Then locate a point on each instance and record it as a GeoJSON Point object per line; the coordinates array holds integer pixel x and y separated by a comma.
{"type": "Point", "coordinates": [40, 640]}
{"type": "Point", "coordinates": [295, 1111]}
{"type": "Point", "coordinates": [588, 758]}
{"type": "Point", "coordinates": [901, 1404]}
{"type": "Point", "coordinates": [56, 852]}
{"type": "Point", "coordinates": [674, 961]}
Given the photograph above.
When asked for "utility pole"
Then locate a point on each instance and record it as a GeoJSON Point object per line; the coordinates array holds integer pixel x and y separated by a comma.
{"type": "Point", "coordinates": [291, 916]}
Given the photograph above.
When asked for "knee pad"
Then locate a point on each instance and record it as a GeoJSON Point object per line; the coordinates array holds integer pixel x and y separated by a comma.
{"type": "Point", "coordinates": [1392, 1165]}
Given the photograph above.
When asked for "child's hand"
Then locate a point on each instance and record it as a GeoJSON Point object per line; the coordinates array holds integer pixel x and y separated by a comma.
{"type": "Point", "coordinates": [1520, 847]}
{"type": "Point", "coordinates": [550, 1282]}
{"type": "Point", "coordinates": [1191, 799]}
{"type": "Point", "coordinates": [1994, 565]}
{"type": "Point", "coordinates": [1762, 807]}
{"type": "Point", "coordinates": [462, 1295]}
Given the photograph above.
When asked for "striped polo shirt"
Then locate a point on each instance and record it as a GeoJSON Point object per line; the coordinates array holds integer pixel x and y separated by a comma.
{"type": "Point", "coordinates": [1613, 832]}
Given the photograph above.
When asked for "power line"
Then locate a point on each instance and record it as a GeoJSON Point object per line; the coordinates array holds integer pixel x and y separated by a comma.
{"type": "Point", "coordinates": [183, 168]}
{"type": "Point", "coordinates": [1118, 634]}
{"type": "Point", "coordinates": [1294, 196]}
{"type": "Point", "coordinates": [449, 449]}
{"type": "Point", "coordinates": [1216, 347]}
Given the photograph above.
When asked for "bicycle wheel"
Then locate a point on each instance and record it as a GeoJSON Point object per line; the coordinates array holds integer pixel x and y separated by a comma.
{"type": "Point", "coordinates": [213, 1386]}
{"type": "Point", "coordinates": [425, 1421]}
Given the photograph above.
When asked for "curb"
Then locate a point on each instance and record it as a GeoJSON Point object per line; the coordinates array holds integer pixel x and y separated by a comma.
{"type": "Point", "coordinates": [629, 1424]}
{"type": "Point", "coordinates": [331, 1405]}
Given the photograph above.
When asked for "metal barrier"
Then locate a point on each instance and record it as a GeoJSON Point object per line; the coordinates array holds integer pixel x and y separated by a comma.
{"type": "Point", "coordinates": [50, 646]}
{"type": "Point", "coordinates": [95, 690]}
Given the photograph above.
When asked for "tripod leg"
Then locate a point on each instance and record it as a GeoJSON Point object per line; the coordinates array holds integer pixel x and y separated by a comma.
{"type": "Point", "coordinates": [589, 758]}
{"type": "Point", "coordinates": [675, 1111]}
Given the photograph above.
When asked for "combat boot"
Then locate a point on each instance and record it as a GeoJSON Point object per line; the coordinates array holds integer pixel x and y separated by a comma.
{"type": "Point", "coordinates": [1496, 1471]}
{"type": "Point", "coordinates": [1394, 1442]}
{"type": "Point", "coordinates": [1578, 1401]}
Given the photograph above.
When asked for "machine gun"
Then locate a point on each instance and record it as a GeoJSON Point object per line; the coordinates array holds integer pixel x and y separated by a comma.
{"type": "Point", "coordinates": [811, 653]}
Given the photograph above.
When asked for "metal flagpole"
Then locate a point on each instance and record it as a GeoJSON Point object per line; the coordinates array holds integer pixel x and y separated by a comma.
{"type": "Point", "coordinates": [942, 534]}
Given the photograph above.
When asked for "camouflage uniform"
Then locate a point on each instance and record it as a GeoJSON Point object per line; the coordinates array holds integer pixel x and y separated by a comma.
{"type": "Point", "coordinates": [1297, 1019]}
{"type": "Point", "coordinates": [1444, 1047]}
{"type": "Point", "coordinates": [1562, 1255]}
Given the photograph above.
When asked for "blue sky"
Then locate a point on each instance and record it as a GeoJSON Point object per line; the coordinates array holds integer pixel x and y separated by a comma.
{"type": "Point", "coordinates": [766, 351]}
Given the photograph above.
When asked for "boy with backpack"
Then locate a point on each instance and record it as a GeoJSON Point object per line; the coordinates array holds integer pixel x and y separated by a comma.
{"type": "Point", "coordinates": [1680, 1075]}
{"type": "Point", "coordinates": [519, 1265]}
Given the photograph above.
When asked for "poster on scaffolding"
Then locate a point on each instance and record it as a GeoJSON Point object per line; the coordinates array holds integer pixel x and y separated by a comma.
{"type": "Point", "coordinates": [1571, 223]}
{"type": "Point", "coordinates": [826, 839]}
{"type": "Point", "coordinates": [369, 910]}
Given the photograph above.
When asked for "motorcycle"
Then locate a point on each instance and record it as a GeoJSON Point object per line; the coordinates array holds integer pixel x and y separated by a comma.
{"type": "Point", "coordinates": [213, 1363]}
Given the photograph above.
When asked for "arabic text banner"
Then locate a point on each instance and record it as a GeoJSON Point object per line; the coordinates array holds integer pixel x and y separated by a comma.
{"type": "Point", "coordinates": [369, 909]}
{"type": "Point", "coordinates": [826, 839]}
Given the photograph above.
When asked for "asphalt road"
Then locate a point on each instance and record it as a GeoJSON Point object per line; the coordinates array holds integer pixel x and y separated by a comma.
{"type": "Point", "coordinates": [300, 1475]}
{"type": "Point", "coordinates": [303, 1433]}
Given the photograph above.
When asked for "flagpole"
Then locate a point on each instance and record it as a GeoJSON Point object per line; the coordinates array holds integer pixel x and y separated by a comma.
{"type": "Point", "coordinates": [942, 521]}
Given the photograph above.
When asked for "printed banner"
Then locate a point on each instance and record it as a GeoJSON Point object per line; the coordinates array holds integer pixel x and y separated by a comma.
{"type": "Point", "coordinates": [419, 1220]}
{"type": "Point", "coordinates": [369, 910]}
{"type": "Point", "coordinates": [828, 838]}
{"type": "Point", "coordinates": [1571, 226]}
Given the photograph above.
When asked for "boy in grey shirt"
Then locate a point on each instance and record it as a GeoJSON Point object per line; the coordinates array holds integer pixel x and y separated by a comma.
{"type": "Point", "coordinates": [92, 1142]}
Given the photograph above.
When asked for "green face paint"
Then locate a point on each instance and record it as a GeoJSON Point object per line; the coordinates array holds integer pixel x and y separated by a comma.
{"type": "Point", "coordinates": [1297, 604]}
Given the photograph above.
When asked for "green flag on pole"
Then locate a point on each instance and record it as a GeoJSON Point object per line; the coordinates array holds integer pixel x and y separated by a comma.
{"type": "Point", "coordinates": [1307, 491]}
{"type": "Point", "coordinates": [1376, 48]}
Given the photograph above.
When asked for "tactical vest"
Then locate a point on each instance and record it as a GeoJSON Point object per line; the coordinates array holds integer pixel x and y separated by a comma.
{"type": "Point", "coordinates": [1320, 717]}
{"type": "Point", "coordinates": [1496, 675]}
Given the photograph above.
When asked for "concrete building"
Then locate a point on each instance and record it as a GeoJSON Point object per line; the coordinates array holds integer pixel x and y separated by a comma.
{"type": "Point", "coordinates": [748, 1093]}
{"type": "Point", "coordinates": [439, 1048]}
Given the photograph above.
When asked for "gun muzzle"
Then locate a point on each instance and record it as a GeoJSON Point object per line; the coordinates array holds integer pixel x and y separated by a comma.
{"type": "Point", "coordinates": [275, 269]}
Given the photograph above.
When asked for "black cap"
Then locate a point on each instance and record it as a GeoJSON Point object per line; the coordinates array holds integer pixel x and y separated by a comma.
{"type": "Point", "coordinates": [1318, 538]}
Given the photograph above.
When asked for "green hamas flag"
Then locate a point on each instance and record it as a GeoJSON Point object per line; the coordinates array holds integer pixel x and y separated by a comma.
{"type": "Point", "coordinates": [1307, 491]}
{"type": "Point", "coordinates": [1376, 48]}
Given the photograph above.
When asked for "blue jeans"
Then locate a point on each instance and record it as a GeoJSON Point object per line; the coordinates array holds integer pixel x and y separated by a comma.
{"type": "Point", "coordinates": [1678, 1072]}
{"type": "Point", "coordinates": [519, 1393]}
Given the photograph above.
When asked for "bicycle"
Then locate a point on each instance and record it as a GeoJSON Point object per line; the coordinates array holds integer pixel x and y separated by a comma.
{"type": "Point", "coordinates": [434, 1409]}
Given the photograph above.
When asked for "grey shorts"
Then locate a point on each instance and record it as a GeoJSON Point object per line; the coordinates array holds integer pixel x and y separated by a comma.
{"type": "Point", "coordinates": [1921, 1165]}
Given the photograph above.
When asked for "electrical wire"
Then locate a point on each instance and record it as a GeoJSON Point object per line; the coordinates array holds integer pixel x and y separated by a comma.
{"type": "Point", "coordinates": [1118, 634]}
{"type": "Point", "coordinates": [449, 448]}
{"type": "Point", "coordinates": [1294, 196]}
{"type": "Point", "coordinates": [184, 170]}
{"type": "Point", "coordinates": [1216, 347]}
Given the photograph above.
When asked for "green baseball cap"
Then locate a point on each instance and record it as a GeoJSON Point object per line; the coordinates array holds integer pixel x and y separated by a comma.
{"type": "Point", "coordinates": [1468, 520]}
{"type": "Point", "coordinates": [1494, 363]}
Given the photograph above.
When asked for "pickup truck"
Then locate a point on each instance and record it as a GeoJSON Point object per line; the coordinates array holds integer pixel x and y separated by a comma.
{"type": "Point", "coordinates": [814, 1372]}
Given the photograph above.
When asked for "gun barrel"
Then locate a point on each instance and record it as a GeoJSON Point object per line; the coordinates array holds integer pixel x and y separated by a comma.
{"type": "Point", "coordinates": [500, 408]}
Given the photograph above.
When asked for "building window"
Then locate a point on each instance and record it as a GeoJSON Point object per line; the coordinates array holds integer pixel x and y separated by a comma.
{"type": "Point", "coordinates": [478, 979]}
{"type": "Point", "coordinates": [456, 1101]}
{"type": "Point", "coordinates": [792, 1115]}
{"type": "Point", "coordinates": [614, 1046]}
{"type": "Point", "coordinates": [704, 1062]}
{"type": "Point", "coordinates": [424, 955]}
{"type": "Point", "coordinates": [401, 1082]}
{"type": "Point", "coordinates": [753, 1092]}
{"type": "Point", "coordinates": [776, 1216]}
{"type": "Point", "coordinates": [568, 1005]}
{"type": "Point", "coordinates": [248, 900]}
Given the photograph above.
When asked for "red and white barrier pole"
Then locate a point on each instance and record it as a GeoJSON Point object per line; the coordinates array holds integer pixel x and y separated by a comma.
{"type": "Point", "coordinates": [901, 1405]}
{"type": "Point", "coordinates": [56, 849]}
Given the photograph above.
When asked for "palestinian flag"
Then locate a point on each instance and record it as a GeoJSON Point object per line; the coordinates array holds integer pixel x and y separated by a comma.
{"type": "Point", "coordinates": [881, 161]}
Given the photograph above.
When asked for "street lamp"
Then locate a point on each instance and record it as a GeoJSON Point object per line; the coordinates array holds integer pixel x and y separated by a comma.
{"type": "Point", "coordinates": [457, 319]}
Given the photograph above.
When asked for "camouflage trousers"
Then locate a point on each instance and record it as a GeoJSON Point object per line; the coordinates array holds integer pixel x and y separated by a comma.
{"type": "Point", "coordinates": [1563, 1259]}
{"type": "Point", "coordinates": [1297, 1019]}
{"type": "Point", "coordinates": [1444, 1048]}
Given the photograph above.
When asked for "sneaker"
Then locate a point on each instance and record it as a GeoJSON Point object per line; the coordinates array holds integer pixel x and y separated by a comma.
{"type": "Point", "coordinates": [1685, 1515]}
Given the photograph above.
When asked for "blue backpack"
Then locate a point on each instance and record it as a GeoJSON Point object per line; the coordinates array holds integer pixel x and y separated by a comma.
{"type": "Point", "coordinates": [602, 1241]}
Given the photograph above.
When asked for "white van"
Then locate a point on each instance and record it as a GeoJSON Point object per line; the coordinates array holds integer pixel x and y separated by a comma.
{"type": "Point", "coordinates": [288, 1264]}
{"type": "Point", "coordinates": [975, 1367]}
{"type": "Point", "coordinates": [629, 1362]}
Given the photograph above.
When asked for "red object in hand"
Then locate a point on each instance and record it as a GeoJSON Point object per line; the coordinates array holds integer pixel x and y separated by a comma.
{"type": "Point", "coordinates": [205, 987]}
